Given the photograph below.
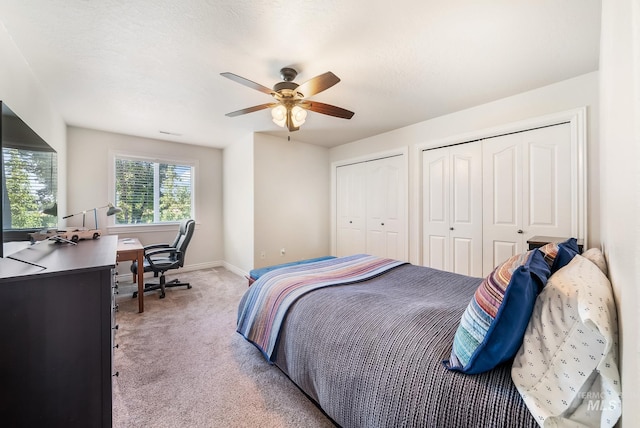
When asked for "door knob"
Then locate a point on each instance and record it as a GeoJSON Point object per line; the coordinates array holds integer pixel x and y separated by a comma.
{"type": "Point", "coordinates": [381, 224]}
{"type": "Point", "coordinates": [520, 231]}
{"type": "Point", "coordinates": [451, 228]}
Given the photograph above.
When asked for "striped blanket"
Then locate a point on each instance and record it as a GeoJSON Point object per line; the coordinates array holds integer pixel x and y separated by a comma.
{"type": "Point", "coordinates": [265, 305]}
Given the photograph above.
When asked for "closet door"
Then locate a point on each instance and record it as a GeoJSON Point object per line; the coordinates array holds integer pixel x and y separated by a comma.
{"type": "Point", "coordinates": [502, 199]}
{"type": "Point", "coordinates": [452, 208]}
{"type": "Point", "coordinates": [466, 209]}
{"type": "Point", "coordinates": [526, 190]}
{"type": "Point", "coordinates": [548, 209]}
{"type": "Point", "coordinates": [435, 209]}
{"type": "Point", "coordinates": [351, 209]}
{"type": "Point", "coordinates": [386, 208]}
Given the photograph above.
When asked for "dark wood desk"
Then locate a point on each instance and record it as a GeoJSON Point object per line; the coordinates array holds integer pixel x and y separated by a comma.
{"type": "Point", "coordinates": [132, 249]}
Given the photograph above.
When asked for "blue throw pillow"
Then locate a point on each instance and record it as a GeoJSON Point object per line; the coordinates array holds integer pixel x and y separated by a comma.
{"type": "Point", "coordinates": [558, 255]}
{"type": "Point", "coordinates": [493, 325]}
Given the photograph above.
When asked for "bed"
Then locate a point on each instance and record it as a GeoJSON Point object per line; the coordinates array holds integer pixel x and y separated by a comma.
{"type": "Point", "coordinates": [255, 274]}
{"type": "Point", "coordinates": [370, 351]}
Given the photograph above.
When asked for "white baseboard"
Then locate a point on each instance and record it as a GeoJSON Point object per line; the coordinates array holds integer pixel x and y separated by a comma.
{"type": "Point", "coordinates": [198, 266]}
{"type": "Point", "coordinates": [235, 269]}
{"type": "Point", "coordinates": [188, 268]}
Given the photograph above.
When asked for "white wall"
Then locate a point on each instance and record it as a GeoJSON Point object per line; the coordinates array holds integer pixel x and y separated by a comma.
{"type": "Point", "coordinates": [89, 183]}
{"type": "Point", "coordinates": [291, 186]}
{"type": "Point", "coordinates": [22, 93]}
{"type": "Point", "coordinates": [238, 203]}
{"type": "Point", "coordinates": [562, 96]}
{"type": "Point", "coordinates": [620, 187]}
{"type": "Point", "coordinates": [276, 195]}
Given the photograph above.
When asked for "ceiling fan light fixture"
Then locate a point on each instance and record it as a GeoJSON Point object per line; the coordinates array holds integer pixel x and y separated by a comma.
{"type": "Point", "coordinates": [279, 115]}
{"type": "Point", "coordinates": [291, 106]}
{"type": "Point", "coordinates": [298, 116]}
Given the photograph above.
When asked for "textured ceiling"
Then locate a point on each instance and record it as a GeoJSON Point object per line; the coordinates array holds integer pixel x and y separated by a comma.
{"type": "Point", "coordinates": [147, 67]}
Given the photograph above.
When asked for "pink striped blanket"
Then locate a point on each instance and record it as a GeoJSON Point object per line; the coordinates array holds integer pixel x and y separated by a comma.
{"type": "Point", "coordinates": [265, 305]}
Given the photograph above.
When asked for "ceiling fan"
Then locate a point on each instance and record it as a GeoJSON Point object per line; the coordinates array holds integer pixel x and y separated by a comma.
{"type": "Point", "coordinates": [291, 100]}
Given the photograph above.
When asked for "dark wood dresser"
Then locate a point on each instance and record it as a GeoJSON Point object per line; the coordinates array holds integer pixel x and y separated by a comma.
{"type": "Point", "coordinates": [56, 332]}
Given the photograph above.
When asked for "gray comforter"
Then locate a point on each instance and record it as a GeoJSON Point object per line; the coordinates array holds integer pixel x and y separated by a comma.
{"type": "Point", "coordinates": [370, 354]}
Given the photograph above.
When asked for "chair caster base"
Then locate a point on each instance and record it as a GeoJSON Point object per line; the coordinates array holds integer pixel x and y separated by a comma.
{"type": "Point", "coordinates": [151, 287]}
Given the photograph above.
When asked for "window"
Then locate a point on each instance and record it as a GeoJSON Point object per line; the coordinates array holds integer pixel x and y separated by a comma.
{"type": "Point", "coordinates": [150, 191]}
{"type": "Point", "coordinates": [30, 188]}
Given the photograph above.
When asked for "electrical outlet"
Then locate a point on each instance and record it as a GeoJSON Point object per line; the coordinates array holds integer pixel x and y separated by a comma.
{"type": "Point", "coordinates": [282, 251]}
{"type": "Point", "coordinates": [263, 254]}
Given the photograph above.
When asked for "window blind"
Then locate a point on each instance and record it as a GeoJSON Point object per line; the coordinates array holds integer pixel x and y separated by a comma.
{"type": "Point", "coordinates": [31, 181]}
{"type": "Point", "coordinates": [152, 192]}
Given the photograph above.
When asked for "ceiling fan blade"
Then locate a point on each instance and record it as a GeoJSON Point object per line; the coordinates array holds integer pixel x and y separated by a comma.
{"type": "Point", "coordinates": [327, 109]}
{"type": "Point", "coordinates": [318, 84]}
{"type": "Point", "coordinates": [248, 83]}
{"type": "Point", "coordinates": [251, 109]}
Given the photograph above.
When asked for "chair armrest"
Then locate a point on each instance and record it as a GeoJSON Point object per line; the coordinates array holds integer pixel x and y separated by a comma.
{"type": "Point", "coordinates": [165, 266]}
{"type": "Point", "coordinates": [155, 252]}
{"type": "Point", "coordinates": [152, 246]}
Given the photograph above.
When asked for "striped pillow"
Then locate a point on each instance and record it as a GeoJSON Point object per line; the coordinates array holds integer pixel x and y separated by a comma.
{"type": "Point", "coordinates": [493, 325]}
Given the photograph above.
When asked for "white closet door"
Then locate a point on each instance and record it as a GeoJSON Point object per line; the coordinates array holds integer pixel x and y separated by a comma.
{"type": "Point", "coordinates": [386, 208]}
{"type": "Point", "coordinates": [452, 209]}
{"type": "Point", "coordinates": [547, 210]}
{"type": "Point", "coordinates": [526, 190]}
{"type": "Point", "coordinates": [435, 209]}
{"type": "Point", "coordinates": [502, 199]}
{"type": "Point", "coordinates": [351, 209]}
{"type": "Point", "coordinates": [466, 209]}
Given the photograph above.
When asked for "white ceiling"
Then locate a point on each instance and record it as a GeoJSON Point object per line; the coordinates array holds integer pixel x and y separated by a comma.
{"type": "Point", "coordinates": [141, 67]}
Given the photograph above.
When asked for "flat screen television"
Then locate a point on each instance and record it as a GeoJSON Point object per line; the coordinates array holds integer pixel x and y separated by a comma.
{"type": "Point", "coordinates": [29, 185]}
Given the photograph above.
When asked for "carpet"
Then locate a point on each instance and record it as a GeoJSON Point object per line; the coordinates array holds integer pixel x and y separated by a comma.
{"type": "Point", "coordinates": [181, 363]}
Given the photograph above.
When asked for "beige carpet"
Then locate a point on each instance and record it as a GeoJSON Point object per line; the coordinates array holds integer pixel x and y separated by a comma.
{"type": "Point", "coordinates": [181, 364]}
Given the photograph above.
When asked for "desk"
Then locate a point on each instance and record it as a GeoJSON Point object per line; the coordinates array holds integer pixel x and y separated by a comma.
{"type": "Point", "coordinates": [132, 249]}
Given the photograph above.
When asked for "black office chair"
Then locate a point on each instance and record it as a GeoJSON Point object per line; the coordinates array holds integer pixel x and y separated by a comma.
{"type": "Point", "coordinates": [159, 258]}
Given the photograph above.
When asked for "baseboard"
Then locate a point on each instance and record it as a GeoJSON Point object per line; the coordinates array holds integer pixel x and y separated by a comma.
{"type": "Point", "coordinates": [187, 268]}
{"type": "Point", "coordinates": [235, 269]}
{"type": "Point", "coordinates": [199, 266]}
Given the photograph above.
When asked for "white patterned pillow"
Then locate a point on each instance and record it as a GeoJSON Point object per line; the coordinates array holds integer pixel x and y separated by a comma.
{"type": "Point", "coordinates": [596, 256]}
{"type": "Point", "coordinates": [567, 367]}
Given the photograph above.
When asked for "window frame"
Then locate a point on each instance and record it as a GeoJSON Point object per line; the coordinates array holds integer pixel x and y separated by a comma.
{"type": "Point", "coordinates": [146, 157]}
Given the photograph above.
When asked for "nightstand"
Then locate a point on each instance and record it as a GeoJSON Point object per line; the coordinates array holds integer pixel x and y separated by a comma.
{"type": "Point", "coordinates": [539, 241]}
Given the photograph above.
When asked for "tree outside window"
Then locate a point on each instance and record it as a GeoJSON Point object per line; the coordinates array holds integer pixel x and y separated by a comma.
{"type": "Point", "coordinates": [152, 192]}
{"type": "Point", "coordinates": [30, 187]}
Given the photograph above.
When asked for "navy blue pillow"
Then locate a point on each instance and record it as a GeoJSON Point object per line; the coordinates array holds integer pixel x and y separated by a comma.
{"type": "Point", "coordinates": [558, 255]}
{"type": "Point", "coordinates": [493, 325]}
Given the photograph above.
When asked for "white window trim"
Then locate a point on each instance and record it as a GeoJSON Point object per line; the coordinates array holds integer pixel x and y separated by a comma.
{"type": "Point", "coordinates": [112, 227]}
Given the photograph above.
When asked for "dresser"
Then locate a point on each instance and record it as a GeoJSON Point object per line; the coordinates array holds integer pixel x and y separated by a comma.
{"type": "Point", "coordinates": [57, 313]}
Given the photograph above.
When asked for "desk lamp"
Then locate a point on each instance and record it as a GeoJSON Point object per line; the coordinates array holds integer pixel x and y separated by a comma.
{"type": "Point", "coordinates": [111, 211]}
